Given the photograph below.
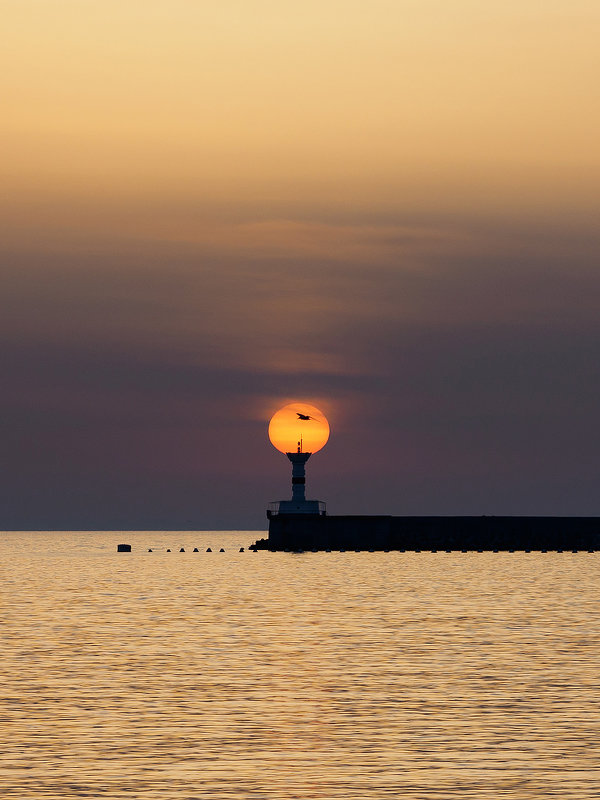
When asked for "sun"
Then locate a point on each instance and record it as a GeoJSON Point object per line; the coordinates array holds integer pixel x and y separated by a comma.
{"type": "Point", "coordinates": [298, 428]}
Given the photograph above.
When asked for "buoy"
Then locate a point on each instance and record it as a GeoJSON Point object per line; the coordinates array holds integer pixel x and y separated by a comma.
{"type": "Point", "coordinates": [123, 548]}
{"type": "Point", "coordinates": [208, 550]}
{"type": "Point", "coordinates": [221, 550]}
{"type": "Point", "coordinates": [182, 550]}
{"type": "Point", "coordinates": [149, 549]}
{"type": "Point", "coordinates": [168, 549]}
{"type": "Point", "coordinates": [241, 549]}
{"type": "Point", "coordinates": [196, 550]}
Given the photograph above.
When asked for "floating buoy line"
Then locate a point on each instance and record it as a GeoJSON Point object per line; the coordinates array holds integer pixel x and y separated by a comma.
{"type": "Point", "coordinates": [126, 548]}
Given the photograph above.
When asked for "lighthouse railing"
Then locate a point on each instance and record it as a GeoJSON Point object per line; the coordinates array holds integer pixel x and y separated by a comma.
{"type": "Point", "coordinates": [319, 506]}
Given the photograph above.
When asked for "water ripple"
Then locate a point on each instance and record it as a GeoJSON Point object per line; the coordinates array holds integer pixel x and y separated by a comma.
{"type": "Point", "coordinates": [250, 676]}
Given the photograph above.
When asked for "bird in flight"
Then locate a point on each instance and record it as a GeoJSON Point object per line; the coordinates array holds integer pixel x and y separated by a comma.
{"type": "Point", "coordinates": [304, 416]}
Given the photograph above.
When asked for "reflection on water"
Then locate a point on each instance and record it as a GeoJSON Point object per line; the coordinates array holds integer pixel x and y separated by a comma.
{"type": "Point", "coordinates": [271, 675]}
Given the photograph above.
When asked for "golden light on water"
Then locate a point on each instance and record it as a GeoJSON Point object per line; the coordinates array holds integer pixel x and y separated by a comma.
{"type": "Point", "coordinates": [298, 425]}
{"type": "Point", "coordinates": [97, 701]}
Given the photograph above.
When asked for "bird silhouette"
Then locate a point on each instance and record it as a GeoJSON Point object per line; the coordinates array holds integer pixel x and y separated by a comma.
{"type": "Point", "coordinates": [305, 416]}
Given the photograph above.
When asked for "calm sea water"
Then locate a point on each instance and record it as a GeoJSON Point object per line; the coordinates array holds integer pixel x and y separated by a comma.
{"type": "Point", "coordinates": [272, 675]}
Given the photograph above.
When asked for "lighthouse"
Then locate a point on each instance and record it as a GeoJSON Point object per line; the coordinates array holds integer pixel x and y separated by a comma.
{"type": "Point", "coordinates": [308, 428]}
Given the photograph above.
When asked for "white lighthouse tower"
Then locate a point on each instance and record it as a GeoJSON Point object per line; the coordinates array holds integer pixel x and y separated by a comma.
{"type": "Point", "coordinates": [293, 422]}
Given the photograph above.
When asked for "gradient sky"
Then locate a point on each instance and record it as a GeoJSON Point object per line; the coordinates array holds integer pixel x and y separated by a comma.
{"type": "Point", "coordinates": [386, 209]}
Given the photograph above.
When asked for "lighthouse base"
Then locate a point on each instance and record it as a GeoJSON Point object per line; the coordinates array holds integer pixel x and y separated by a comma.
{"type": "Point", "coordinates": [317, 507]}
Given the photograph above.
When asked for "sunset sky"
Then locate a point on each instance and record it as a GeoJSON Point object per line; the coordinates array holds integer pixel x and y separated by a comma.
{"type": "Point", "coordinates": [389, 210]}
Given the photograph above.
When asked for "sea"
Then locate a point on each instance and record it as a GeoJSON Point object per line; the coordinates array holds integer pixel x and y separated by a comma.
{"type": "Point", "coordinates": [294, 676]}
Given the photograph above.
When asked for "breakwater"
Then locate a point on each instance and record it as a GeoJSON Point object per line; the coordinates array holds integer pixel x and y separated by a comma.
{"type": "Point", "coordinates": [314, 532]}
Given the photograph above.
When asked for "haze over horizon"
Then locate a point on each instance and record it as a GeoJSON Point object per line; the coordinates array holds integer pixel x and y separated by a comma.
{"type": "Point", "coordinates": [389, 211]}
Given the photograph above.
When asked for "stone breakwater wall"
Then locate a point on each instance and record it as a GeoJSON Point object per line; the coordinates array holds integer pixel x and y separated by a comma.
{"type": "Point", "coordinates": [313, 532]}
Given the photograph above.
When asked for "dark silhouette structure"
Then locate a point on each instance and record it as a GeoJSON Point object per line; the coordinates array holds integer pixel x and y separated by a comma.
{"type": "Point", "coordinates": [321, 532]}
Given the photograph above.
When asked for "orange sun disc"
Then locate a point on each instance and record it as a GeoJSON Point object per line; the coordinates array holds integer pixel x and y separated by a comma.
{"type": "Point", "coordinates": [298, 427]}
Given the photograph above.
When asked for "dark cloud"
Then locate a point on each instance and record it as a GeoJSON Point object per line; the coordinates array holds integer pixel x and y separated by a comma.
{"type": "Point", "coordinates": [458, 364]}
